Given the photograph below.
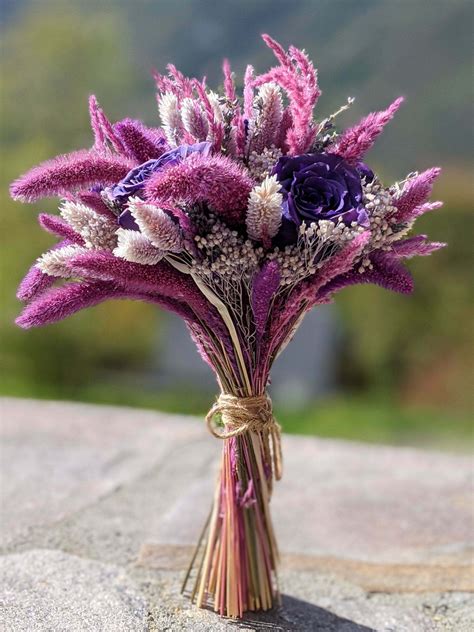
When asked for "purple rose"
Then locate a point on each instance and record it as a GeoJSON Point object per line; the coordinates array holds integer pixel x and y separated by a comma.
{"type": "Point", "coordinates": [117, 195]}
{"type": "Point", "coordinates": [321, 186]}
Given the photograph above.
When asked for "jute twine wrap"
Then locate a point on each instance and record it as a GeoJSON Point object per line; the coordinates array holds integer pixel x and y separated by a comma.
{"type": "Point", "coordinates": [248, 414]}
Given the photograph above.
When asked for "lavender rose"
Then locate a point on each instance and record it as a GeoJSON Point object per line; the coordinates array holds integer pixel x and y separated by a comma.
{"type": "Point", "coordinates": [321, 186]}
{"type": "Point", "coordinates": [116, 196]}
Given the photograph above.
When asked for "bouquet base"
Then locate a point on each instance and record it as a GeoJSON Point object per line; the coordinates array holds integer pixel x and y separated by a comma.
{"type": "Point", "coordinates": [234, 568]}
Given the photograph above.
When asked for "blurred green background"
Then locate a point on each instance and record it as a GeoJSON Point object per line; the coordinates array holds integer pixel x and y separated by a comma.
{"type": "Point", "coordinates": [404, 375]}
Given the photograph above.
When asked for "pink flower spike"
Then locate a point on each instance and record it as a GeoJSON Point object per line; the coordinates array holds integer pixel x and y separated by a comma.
{"type": "Point", "coordinates": [141, 143]}
{"type": "Point", "coordinates": [214, 179]}
{"type": "Point", "coordinates": [277, 49]}
{"type": "Point", "coordinates": [34, 283]}
{"type": "Point", "coordinates": [264, 286]}
{"type": "Point", "coordinates": [160, 278]}
{"type": "Point", "coordinates": [356, 140]}
{"type": "Point", "coordinates": [229, 86]}
{"type": "Point", "coordinates": [248, 91]}
{"type": "Point", "coordinates": [415, 192]}
{"type": "Point", "coordinates": [386, 271]}
{"type": "Point", "coordinates": [297, 76]}
{"type": "Point", "coordinates": [57, 226]}
{"type": "Point", "coordinates": [99, 136]}
{"type": "Point", "coordinates": [338, 264]}
{"type": "Point", "coordinates": [103, 129]}
{"type": "Point", "coordinates": [216, 128]}
{"type": "Point", "coordinates": [416, 246]}
{"type": "Point", "coordinates": [94, 201]}
{"type": "Point", "coordinates": [64, 301]}
{"type": "Point", "coordinates": [80, 169]}
{"type": "Point", "coordinates": [183, 84]}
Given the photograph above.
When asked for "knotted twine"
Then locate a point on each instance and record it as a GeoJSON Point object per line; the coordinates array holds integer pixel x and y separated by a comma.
{"type": "Point", "coordinates": [248, 414]}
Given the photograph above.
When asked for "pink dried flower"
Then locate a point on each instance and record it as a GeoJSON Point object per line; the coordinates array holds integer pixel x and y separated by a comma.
{"type": "Point", "coordinates": [194, 120]}
{"type": "Point", "coordinates": [59, 303]}
{"type": "Point", "coordinates": [141, 143]}
{"type": "Point", "coordinates": [156, 225]}
{"type": "Point", "coordinates": [298, 77]}
{"type": "Point", "coordinates": [57, 226]}
{"type": "Point", "coordinates": [99, 136]}
{"type": "Point", "coordinates": [264, 210]}
{"type": "Point", "coordinates": [416, 246]}
{"type": "Point", "coordinates": [33, 284]}
{"type": "Point", "coordinates": [103, 129]}
{"type": "Point", "coordinates": [415, 192]}
{"type": "Point", "coordinates": [62, 302]}
{"type": "Point", "coordinates": [161, 278]}
{"type": "Point", "coordinates": [355, 141]}
{"type": "Point", "coordinates": [264, 286]}
{"type": "Point", "coordinates": [264, 127]}
{"type": "Point", "coordinates": [216, 127]}
{"type": "Point", "coordinates": [133, 246]}
{"type": "Point", "coordinates": [66, 173]}
{"type": "Point", "coordinates": [94, 201]}
{"type": "Point", "coordinates": [217, 180]}
{"type": "Point", "coordinates": [385, 270]}
{"type": "Point", "coordinates": [248, 91]}
{"type": "Point", "coordinates": [168, 106]}
{"type": "Point", "coordinates": [229, 85]}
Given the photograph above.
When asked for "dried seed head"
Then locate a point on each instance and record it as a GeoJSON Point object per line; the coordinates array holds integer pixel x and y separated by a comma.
{"type": "Point", "coordinates": [56, 261]}
{"type": "Point", "coordinates": [156, 225]}
{"type": "Point", "coordinates": [97, 231]}
{"type": "Point", "coordinates": [264, 210]}
{"type": "Point", "coordinates": [136, 248]}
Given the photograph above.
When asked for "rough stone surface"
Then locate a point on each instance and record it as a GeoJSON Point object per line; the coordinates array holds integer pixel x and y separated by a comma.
{"type": "Point", "coordinates": [50, 590]}
{"type": "Point", "coordinates": [101, 507]}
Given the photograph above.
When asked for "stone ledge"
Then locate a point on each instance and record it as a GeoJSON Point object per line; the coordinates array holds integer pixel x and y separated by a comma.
{"type": "Point", "coordinates": [372, 537]}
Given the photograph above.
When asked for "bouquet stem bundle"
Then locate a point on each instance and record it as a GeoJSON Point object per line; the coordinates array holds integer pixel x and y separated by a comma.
{"type": "Point", "coordinates": [238, 566]}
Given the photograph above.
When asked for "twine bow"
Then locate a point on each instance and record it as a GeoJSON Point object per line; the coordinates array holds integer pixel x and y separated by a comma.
{"type": "Point", "coordinates": [248, 414]}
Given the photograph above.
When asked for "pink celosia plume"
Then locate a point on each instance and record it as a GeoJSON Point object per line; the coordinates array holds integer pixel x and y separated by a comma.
{"type": "Point", "coordinates": [217, 180]}
{"type": "Point", "coordinates": [298, 77]}
{"type": "Point", "coordinates": [96, 126]}
{"type": "Point", "coordinates": [141, 143]}
{"type": "Point", "coordinates": [35, 282]}
{"type": "Point", "coordinates": [59, 303]}
{"type": "Point", "coordinates": [161, 279]}
{"type": "Point", "coordinates": [248, 91]}
{"type": "Point", "coordinates": [386, 271]}
{"type": "Point", "coordinates": [103, 129]}
{"type": "Point", "coordinates": [229, 85]}
{"type": "Point", "coordinates": [416, 246]}
{"type": "Point", "coordinates": [415, 192]}
{"type": "Point", "coordinates": [216, 128]}
{"type": "Point", "coordinates": [92, 200]}
{"type": "Point", "coordinates": [356, 140]}
{"type": "Point", "coordinates": [57, 226]}
{"type": "Point", "coordinates": [265, 284]}
{"type": "Point", "coordinates": [62, 174]}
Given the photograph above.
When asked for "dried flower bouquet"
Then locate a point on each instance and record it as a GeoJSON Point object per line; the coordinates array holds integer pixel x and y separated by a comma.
{"type": "Point", "coordinates": [239, 215]}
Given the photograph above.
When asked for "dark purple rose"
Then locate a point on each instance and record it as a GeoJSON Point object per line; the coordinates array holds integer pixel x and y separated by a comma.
{"type": "Point", "coordinates": [117, 195]}
{"type": "Point", "coordinates": [322, 186]}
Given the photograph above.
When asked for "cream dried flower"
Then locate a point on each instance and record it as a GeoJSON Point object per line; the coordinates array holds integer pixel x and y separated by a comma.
{"type": "Point", "coordinates": [170, 117]}
{"type": "Point", "coordinates": [156, 225]}
{"type": "Point", "coordinates": [56, 262]}
{"type": "Point", "coordinates": [98, 231]}
{"type": "Point", "coordinates": [264, 210]}
{"type": "Point", "coordinates": [136, 248]}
